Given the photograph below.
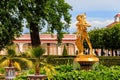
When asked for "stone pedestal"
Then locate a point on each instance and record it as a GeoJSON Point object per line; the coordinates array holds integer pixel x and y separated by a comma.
{"type": "Point", "coordinates": [9, 73]}
{"type": "Point", "coordinates": [86, 61]}
{"type": "Point", "coordinates": [36, 77]}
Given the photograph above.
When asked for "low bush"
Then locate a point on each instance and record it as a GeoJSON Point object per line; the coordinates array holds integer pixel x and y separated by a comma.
{"type": "Point", "coordinates": [109, 60]}
{"type": "Point", "coordinates": [99, 73]}
{"type": "Point", "coordinates": [66, 72]}
{"type": "Point", "coordinates": [64, 68]}
{"type": "Point", "coordinates": [2, 70]}
{"type": "Point", "coordinates": [59, 61]}
{"type": "Point", "coordinates": [23, 75]}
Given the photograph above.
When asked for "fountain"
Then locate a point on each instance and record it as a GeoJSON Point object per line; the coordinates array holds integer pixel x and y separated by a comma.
{"type": "Point", "coordinates": [85, 61]}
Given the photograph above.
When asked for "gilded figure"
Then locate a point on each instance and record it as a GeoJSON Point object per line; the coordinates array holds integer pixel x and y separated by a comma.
{"type": "Point", "coordinates": [82, 34]}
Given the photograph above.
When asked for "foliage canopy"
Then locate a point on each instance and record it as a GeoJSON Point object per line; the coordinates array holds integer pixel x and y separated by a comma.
{"type": "Point", "coordinates": [108, 38]}
{"type": "Point", "coordinates": [53, 14]}
{"type": "Point", "coordinates": [41, 13]}
{"type": "Point", "coordinates": [10, 23]}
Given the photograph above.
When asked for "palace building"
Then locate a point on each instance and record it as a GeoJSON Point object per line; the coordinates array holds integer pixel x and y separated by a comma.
{"type": "Point", "coordinates": [49, 42]}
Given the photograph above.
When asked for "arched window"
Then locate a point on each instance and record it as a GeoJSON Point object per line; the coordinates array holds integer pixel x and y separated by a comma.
{"type": "Point", "coordinates": [51, 48]}
{"type": "Point", "coordinates": [26, 46]}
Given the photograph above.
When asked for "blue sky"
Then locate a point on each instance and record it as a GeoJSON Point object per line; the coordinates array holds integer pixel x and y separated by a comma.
{"type": "Point", "coordinates": [99, 12]}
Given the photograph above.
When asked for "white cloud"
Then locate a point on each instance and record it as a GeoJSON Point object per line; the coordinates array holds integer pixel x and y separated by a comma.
{"type": "Point", "coordinates": [72, 27]}
{"type": "Point", "coordinates": [100, 24]}
{"type": "Point", "coordinates": [94, 24]}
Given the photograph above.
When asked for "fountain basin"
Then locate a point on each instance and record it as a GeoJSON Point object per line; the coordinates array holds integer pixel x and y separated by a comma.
{"type": "Point", "coordinates": [36, 77]}
{"type": "Point", "coordinates": [9, 73]}
{"type": "Point", "coordinates": [86, 61]}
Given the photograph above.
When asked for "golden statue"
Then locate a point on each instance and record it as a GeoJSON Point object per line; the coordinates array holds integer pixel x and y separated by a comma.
{"type": "Point", "coordinates": [82, 34]}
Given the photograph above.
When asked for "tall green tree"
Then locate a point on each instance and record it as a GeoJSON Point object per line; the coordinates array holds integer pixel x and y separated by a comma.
{"type": "Point", "coordinates": [115, 36]}
{"type": "Point", "coordinates": [108, 38]}
{"type": "Point", "coordinates": [10, 23]}
{"type": "Point", "coordinates": [53, 14]}
{"type": "Point", "coordinates": [112, 37]}
{"type": "Point", "coordinates": [96, 37]}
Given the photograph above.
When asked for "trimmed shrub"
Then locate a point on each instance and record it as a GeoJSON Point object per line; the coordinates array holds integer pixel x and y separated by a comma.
{"type": "Point", "coordinates": [103, 60]}
{"type": "Point", "coordinates": [64, 52]}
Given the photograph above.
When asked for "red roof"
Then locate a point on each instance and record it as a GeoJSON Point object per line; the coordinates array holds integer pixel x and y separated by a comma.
{"type": "Point", "coordinates": [115, 22]}
{"type": "Point", "coordinates": [46, 37]}
{"type": "Point", "coordinates": [112, 24]}
{"type": "Point", "coordinates": [117, 15]}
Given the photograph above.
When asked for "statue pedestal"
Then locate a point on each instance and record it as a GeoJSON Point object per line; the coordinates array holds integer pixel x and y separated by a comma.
{"type": "Point", "coordinates": [36, 77]}
{"type": "Point", "coordinates": [9, 73]}
{"type": "Point", "coordinates": [86, 61]}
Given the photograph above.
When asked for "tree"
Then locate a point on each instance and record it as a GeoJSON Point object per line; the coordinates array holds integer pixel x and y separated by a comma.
{"type": "Point", "coordinates": [96, 37]}
{"type": "Point", "coordinates": [112, 37]}
{"type": "Point", "coordinates": [40, 13]}
{"type": "Point", "coordinates": [108, 38]}
{"type": "Point", "coordinates": [37, 53]}
{"type": "Point", "coordinates": [10, 23]}
{"type": "Point", "coordinates": [115, 36]}
{"type": "Point", "coordinates": [11, 59]}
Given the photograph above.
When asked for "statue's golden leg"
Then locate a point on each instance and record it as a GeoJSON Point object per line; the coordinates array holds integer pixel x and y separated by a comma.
{"type": "Point", "coordinates": [79, 45]}
{"type": "Point", "coordinates": [89, 44]}
{"type": "Point", "coordinates": [82, 46]}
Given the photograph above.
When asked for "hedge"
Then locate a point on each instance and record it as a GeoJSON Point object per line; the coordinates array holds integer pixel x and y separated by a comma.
{"type": "Point", "coordinates": [61, 60]}
{"type": "Point", "coordinates": [104, 60]}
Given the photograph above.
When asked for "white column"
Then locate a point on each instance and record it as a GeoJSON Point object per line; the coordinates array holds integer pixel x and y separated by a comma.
{"type": "Point", "coordinates": [99, 52]}
{"type": "Point", "coordinates": [76, 49]}
{"type": "Point", "coordinates": [59, 50]}
{"type": "Point", "coordinates": [20, 46]}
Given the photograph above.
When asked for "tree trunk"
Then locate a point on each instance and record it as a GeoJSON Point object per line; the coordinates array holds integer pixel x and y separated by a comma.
{"type": "Point", "coordinates": [37, 69]}
{"type": "Point", "coordinates": [102, 52]}
{"type": "Point", "coordinates": [10, 64]}
{"type": "Point", "coordinates": [37, 72]}
{"type": "Point", "coordinates": [34, 34]}
{"type": "Point", "coordinates": [112, 52]}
